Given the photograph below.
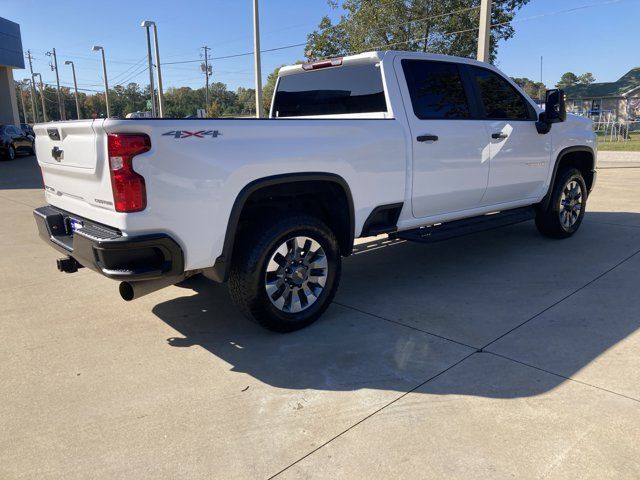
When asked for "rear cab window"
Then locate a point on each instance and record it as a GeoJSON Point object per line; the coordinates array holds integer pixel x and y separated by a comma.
{"type": "Point", "coordinates": [341, 90]}
{"type": "Point", "coordinates": [436, 90]}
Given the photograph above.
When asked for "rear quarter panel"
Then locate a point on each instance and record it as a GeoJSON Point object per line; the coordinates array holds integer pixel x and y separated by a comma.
{"type": "Point", "coordinates": [193, 180]}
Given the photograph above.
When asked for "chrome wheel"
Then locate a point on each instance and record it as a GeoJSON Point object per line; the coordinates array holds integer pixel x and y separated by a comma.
{"type": "Point", "coordinates": [12, 153]}
{"type": "Point", "coordinates": [571, 202]}
{"type": "Point", "coordinates": [296, 274]}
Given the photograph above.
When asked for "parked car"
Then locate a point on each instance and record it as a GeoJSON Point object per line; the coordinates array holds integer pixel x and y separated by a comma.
{"type": "Point", "coordinates": [139, 114]}
{"type": "Point", "coordinates": [13, 141]}
{"type": "Point", "coordinates": [27, 129]}
{"type": "Point", "coordinates": [418, 146]}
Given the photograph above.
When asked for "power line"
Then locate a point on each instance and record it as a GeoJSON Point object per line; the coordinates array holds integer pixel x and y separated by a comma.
{"type": "Point", "coordinates": [295, 45]}
{"type": "Point", "coordinates": [240, 54]}
{"type": "Point", "coordinates": [134, 75]}
{"type": "Point", "coordinates": [49, 84]}
{"type": "Point", "coordinates": [127, 71]}
{"type": "Point", "coordinates": [92, 59]}
{"type": "Point", "coordinates": [494, 25]}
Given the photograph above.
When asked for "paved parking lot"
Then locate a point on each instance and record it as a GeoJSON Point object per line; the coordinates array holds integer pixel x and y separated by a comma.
{"type": "Point", "coordinates": [497, 355]}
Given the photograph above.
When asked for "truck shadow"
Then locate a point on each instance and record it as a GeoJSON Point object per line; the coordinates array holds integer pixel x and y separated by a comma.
{"type": "Point", "coordinates": [387, 347]}
{"type": "Point", "coordinates": [21, 173]}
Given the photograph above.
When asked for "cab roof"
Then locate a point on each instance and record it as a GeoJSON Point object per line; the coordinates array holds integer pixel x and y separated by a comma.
{"type": "Point", "coordinates": [374, 57]}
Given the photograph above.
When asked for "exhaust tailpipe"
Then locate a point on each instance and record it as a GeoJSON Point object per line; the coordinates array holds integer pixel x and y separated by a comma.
{"type": "Point", "coordinates": [133, 290]}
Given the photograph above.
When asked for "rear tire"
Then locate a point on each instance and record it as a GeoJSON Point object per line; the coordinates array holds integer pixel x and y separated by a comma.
{"type": "Point", "coordinates": [285, 272]}
{"type": "Point", "coordinates": [11, 152]}
{"type": "Point", "coordinates": [563, 216]}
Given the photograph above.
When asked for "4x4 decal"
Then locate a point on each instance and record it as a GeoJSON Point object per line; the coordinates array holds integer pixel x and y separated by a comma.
{"type": "Point", "coordinates": [198, 134]}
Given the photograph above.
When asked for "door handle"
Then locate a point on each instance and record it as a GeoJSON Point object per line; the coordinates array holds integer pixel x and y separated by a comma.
{"type": "Point", "coordinates": [499, 135]}
{"type": "Point", "coordinates": [427, 138]}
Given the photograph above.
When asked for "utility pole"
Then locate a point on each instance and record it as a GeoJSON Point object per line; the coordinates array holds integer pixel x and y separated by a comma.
{"type": "Point", "coordinates": [152, 89]}
{"type": "Point", "coordinates": [34, 106]}
{"type": "Point", "coordinates": [256, 58]}
{"type": "Point", "coordinates": [24, 110]}
{"type": "Point", "coordinates": [75, 86]}
{"type": "Point", "coordinates": [55, 68]}
{"type": "Point", "coordinates": [44, 109]}
{"type": "Point", "coordinates": [484, 31]}
{"type": "Point", "coordinates": [206, 68]}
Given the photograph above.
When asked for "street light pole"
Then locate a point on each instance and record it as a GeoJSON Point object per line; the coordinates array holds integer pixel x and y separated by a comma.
{"type": "Point", "coordinates": [256, 58]}
{"type": "Point", "coordinates": [147, 24]}
{"type": "Point", "coordinates": [44, 110]}
{"type": "Point", "coordinates": [484, 31]}
{"type": "Point", "coordinates": [159, 72]}
{"type": "Point", "coordinates": [152, 90]}
{"type": "Point", "coordinates": [75, 87]}
{"type": "Point", "coordinates": [104, 72]}
{"type": "Point", "coordinates": [55, 68]}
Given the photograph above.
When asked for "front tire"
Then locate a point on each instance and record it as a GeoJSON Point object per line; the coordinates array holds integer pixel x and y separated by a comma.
{"type": "Point", "coordinates": [563, 216]}
{"type": "Point", "coordinates": [285, 272]}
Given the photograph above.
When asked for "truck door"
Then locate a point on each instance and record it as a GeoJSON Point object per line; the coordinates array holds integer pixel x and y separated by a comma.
{"type": "Point", "coordinates": [450, 147]}
{"type": "Point", "coordinates": [520, 156]}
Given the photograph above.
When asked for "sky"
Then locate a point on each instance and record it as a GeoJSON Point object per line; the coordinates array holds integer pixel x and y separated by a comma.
{"type": "Point", "coordinates": [598, 39]}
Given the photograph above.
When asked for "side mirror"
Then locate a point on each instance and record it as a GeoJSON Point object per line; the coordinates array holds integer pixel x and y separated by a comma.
{"type": "Point", "coordinates": [555, 110]}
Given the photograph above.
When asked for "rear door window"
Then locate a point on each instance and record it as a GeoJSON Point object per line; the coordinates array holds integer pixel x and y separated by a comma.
{"type": "Point", "coordinates": [500, 100]}
{"type": "Point", "coordinates": [436, 90]}
{"type": "Point", "coordinates": [331, 91]}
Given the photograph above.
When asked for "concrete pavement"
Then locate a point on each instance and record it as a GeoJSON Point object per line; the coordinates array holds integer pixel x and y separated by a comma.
{"type": "Point", "coordinates": [498, 355]}
{"type": "Point", "coordinates": [614, 159]}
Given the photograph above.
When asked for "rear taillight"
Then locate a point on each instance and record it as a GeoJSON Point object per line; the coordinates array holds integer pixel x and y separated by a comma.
{"type": "Point", "coordinates": [334, 62]}
{"type": "Point", "coordinates": [129, 192]}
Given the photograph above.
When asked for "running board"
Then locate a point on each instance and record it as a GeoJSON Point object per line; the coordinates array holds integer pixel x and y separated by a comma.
{"type": "Point", "coordinates": [458, 228]}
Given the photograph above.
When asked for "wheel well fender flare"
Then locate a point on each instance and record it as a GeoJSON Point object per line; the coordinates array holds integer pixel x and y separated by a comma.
{"type": "Point", "coordinates": [544, 203]}
{"type": "Point", "coordinates": [220, 269]}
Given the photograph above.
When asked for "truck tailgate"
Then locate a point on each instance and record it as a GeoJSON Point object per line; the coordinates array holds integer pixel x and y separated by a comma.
{"type": "Point", "coordinates": [72, 156]}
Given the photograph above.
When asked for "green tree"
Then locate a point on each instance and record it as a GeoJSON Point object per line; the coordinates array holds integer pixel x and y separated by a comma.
{"type": "Point", "coordinates": [536, 90]}
{"type": "Point", "coordinates": [94, 106]}
{"type": "Point", "coordinates": [567, 79]}
{"type": "Point", "coordinates": [183, 101]}
{"type": "Point", "coordinates": [268, 89]}
{"type": "Point", "coordinates": [586, 78]}
{"type": "Point", "coordinates": [416, 25]}
{"type": "Point", "coordinates": [214, 110]}
{"type": "Point", "coordinates": [246, 99]}
{"type": "Point", "coordinates": [123, 99]}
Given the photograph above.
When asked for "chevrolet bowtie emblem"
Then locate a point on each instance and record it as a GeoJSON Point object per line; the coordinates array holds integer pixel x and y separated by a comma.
{"type": "Point", "coordinates": [56, 153]}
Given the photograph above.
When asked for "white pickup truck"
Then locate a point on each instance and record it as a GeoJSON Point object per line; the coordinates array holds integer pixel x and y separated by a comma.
{"type": "Point", "coordinates": [418, 146]}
